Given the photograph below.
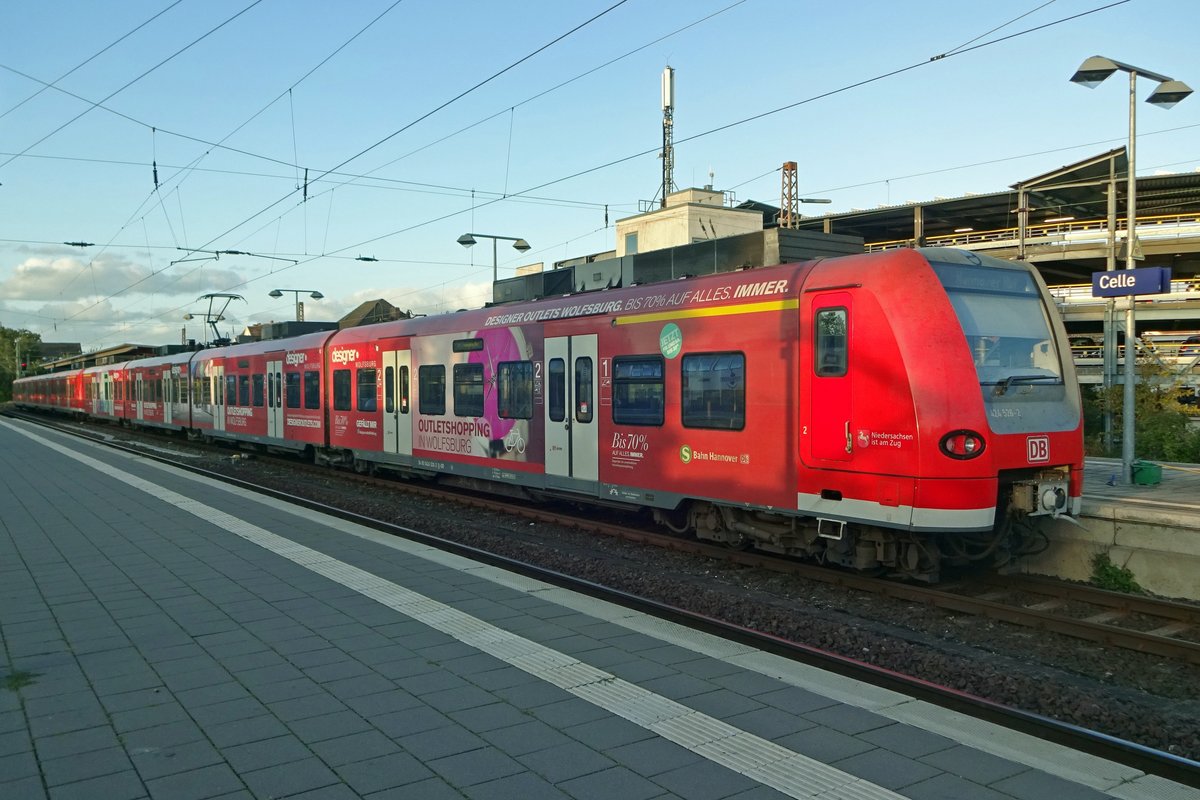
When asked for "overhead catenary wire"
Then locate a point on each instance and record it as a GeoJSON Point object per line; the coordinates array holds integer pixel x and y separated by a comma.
{"type": "Point", "coordinates": [727, 126]}
{"type": "Point", "coordinates": [89, 59]}
{"type": "Point", "coordinates": [126, 85]}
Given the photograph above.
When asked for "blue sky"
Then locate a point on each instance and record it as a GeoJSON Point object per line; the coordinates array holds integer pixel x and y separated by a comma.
{"type": "Point", "coordinates": [399, 168]}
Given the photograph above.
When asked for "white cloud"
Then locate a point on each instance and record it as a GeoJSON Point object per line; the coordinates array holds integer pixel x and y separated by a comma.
{"type": "Point", "coordinates": [59, 279]}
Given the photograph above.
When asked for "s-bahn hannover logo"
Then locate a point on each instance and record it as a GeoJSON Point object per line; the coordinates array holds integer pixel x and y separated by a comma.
{"type": "Point", "coordinates": [1037, 449]}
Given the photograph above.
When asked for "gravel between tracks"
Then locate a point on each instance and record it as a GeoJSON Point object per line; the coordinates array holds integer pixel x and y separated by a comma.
{"type": "Point", "coordinates": [1133, 696]}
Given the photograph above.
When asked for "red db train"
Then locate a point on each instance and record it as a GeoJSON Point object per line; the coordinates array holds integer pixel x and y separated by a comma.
{"type": "Point", "coordinates": [895, 411]}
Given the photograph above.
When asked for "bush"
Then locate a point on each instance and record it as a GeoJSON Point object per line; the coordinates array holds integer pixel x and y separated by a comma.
{"type": "Point", "coordinates": [1162, 424]}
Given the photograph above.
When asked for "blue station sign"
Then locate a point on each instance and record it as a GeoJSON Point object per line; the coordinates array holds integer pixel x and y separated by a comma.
{"type": "Point", "coordinates": [1122, 282]}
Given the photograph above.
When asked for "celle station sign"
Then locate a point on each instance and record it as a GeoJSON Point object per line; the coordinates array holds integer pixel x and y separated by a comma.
{"type": "Point", "coordinates": [1122, 282]}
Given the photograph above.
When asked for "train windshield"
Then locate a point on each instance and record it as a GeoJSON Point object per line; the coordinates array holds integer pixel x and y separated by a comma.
{"type": "Point", "coordinates": [1005, 322]}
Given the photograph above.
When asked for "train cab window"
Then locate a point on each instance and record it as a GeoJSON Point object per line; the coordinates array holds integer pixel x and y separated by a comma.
{"type": "Point", "coordinates": [468, 390]}
{"type": "Point", "coordinates": [431, 389]}
{"type": "Point", "coordinates": [639, 390]}
{"type": "Point", "coordinates": [231, 390]}
{"type": "Point", "coordinates": [292, 389]}
{"type": "Point", "coordinates": [367, 388]}
{"type": "Point", "coordinates": [583, 390]}
{"type": "Point", "coordinates": [341, 390]}
{"type": "Point", "coordinates": [514, 389]}
{"type": "Point", "coordinates": [713, 391]}
{"type": "Point", "coordinates": [830, 342]}
{"type": "Point", "coordinates": [556, 389]}
{"type": "Point", "coordinates": [256, 390]}
{"type": "Point", "coordinates": [404, 390]}
{"type": "Point", "coordinates": [312, 388]}
{"type": "Point", "coordinates": [243, 390]}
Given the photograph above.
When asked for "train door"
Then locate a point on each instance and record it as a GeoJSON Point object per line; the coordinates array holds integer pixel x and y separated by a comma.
{"type": "Point", "coordinates": [397, 423]}
{"type": "Point", "coordinates": [274, 378]}
{"type": "Point", "coordinates": [572, 428]}
{"type": "Point", "coordinates": [139, 387]}
{"type": "Point", "coordinates": [218, 396]}
{"type": "Point", "coordinates": [168, 396]}
{"type": "Point", "coordinates": [831, 417]}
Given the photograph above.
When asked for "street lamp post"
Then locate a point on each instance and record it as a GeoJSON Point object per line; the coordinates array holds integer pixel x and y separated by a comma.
{"type": "Point", "coordinates": [468, 239]}
{"type": "Point", "coordinates": [1091, 74]}
{"type": "Point", "coordinates": [314, 294]}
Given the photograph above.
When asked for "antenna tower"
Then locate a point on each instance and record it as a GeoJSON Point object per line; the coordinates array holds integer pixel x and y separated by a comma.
{"type": "Point", "coordinates": [789, 203]}
{"type": "Point", "coordinates": [668, 151]}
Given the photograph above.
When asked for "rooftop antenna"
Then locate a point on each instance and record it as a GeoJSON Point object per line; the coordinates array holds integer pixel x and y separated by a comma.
{"type": "Point", "coordinates": [668, 151]}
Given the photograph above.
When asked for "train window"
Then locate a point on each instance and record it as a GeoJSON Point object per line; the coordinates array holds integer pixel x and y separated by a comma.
{"type": "Point", "coordinates": [231, 390]}
{"type": "Point", "coordinates": [639, 391]}
{"type": "Point", "coordinates": [244, 390]}
{"type": "Point", "coordinates": [514, 389]}
{"type": "Point", "coordinates": [256, 390]}
{"type": "Point", "coordinates": [341, 390]}
{"type": "Point", "coordinates": [583, 390]}
{"type": "Point", "coordinates": [431, 389]}
{"type": "Point", "coordinates": [830, 340]}
{"type": "Point", "coordinates": [367, 388]}
{"type": "Point", "coordinates": [1005, 323]}
{"type": "Point", "coordinates": [389, 390]}
{"type": "Point", "coordinates": [404, 390]}
{"type": "Point", "coordinates": [713, 391]}
{"type": "Point", "coordinates": [468, 390]}
{"type": "Point", "coordinates": [278, 389]}
{"type": "Point", "coordinates": [556, 389]}
{"type": "Point", "coordinates": [312, 388]}
{"type": "Point", "coordinates": [292, 389]}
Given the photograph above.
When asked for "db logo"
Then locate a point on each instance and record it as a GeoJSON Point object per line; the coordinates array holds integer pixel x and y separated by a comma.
{"type": "Point", "coordinates": [1037, 448]}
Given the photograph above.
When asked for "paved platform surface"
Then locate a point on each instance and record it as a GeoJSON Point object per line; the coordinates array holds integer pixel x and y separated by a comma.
{"type": "Point", "coordinates": [1179, 488]}
{"type": "Point", "coordinates": [166, 636]}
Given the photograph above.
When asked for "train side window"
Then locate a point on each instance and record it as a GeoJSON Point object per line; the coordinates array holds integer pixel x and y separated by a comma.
{"type": "Point", "coordinates": [639, 390]}
{"type": "Point", "coordinates": [468, 390]}
{"type": "Point", "coordinates": [341, 390]}
{"type": "Point", "coordinates": [404, 390]}
{"type": "Point", "coordinates": [389, 390]}
{"type": "Point", "coordinates": [583, 390]}
{"type": "Point", "coordinates": [830, 340]}
{"type": "Point", "coordinates": [713, 391]}
{"type": "Point", "coordinates": [367, 383]}
{"type": "Point", "coordinates": [243, 390]}
{"type": "Point", "coordinates": [292, 386]}
{"type": "Point", "coordinates": [514, 389]}
{"type": "Point", "coordinates": [279, 390]}
{"type": "Point", "coordinates": [556, 389]}
{"type": "Point", "coordinates": [256, 390]}
{"type": "Point", "coordinates": [431, 388]}
{"type": "Point", "coordinates": [231, 390]}
{"type": "Point", "coordinates": [312, 388]}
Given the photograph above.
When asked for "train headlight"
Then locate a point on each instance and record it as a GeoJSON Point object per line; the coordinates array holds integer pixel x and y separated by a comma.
{"type": "Point", "coordinates": [962, 444]}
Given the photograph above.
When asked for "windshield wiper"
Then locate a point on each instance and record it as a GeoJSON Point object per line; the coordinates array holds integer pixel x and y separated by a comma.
{"type": "Point", "coordinates": [1002, 385]}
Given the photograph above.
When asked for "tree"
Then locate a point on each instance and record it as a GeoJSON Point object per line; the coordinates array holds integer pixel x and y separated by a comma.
{"type": "Point", "coordinates": [12, 341]}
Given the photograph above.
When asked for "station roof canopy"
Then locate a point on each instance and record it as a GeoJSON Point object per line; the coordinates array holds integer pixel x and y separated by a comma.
{"type": "Point", "coordinates": [1077, 190]}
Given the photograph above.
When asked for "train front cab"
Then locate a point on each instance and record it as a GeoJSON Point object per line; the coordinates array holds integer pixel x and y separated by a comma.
{"type": "Point", "coordinates": [947, 423]}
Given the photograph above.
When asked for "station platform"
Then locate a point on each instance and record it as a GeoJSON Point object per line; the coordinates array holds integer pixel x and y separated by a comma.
{"type": "Point", "coordinates": [1151, 530]}
{"type": "Point", "coordinates": [172, 637]}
